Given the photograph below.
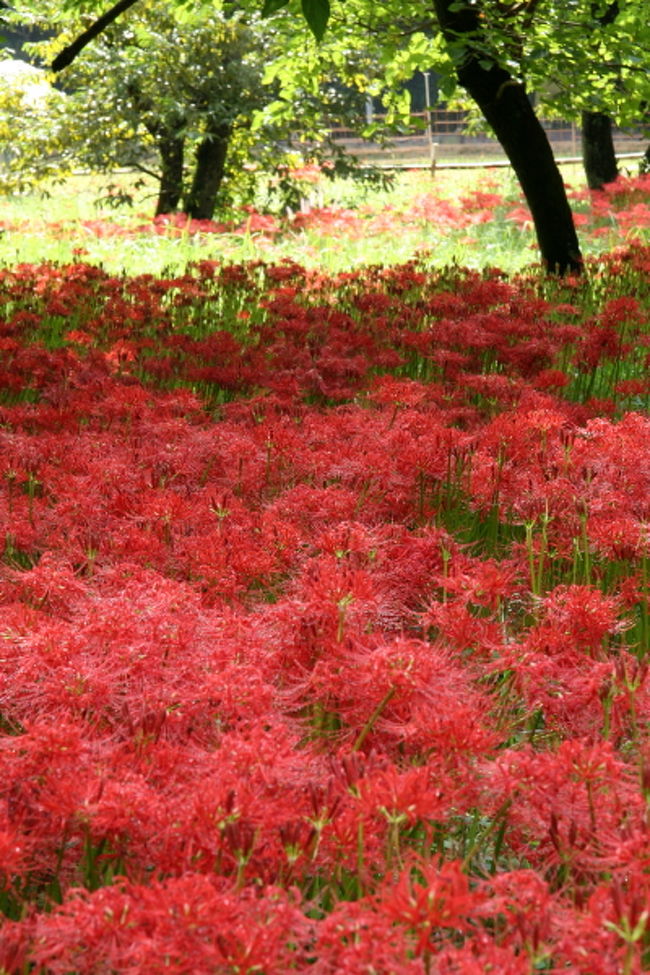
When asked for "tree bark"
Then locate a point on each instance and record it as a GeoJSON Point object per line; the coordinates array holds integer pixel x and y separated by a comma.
{"type": "Point", "coordinates": [170, 143]}
{"type": "Point", "coordinates": [211, 152]}
{"type": "Point", "coordinates": [507, 109]}
{"type": "Point", "coordinates": [598, 153]}
{"type": "Point", "coordinates": [171, 149]}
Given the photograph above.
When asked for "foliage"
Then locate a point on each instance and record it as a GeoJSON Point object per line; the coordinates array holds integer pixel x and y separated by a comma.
{"type": "Point", "coordinates": [579, 56]}
{"type": "Point", "coordinates": [40, 109]}
{"type": "Point", "coordinates": [156, 72]}
{"type": "Point", "coordinates": [163, 73]}
{"type": "Point", "coordinates": [541, 44]}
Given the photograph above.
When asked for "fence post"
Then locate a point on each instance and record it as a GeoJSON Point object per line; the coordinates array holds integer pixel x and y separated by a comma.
{"type": "Point", "coordinates": [434, 147]}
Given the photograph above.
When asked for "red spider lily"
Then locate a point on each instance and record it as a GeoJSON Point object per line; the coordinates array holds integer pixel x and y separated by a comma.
{"type": "Point", "coordinates": [355, 938]}
{"type": "Point", "coordinates": [480, 956]}
{"type": "Point", "coordinates": [13, 852]}
{"type": "Point", "coordinates": [569, 808]}
{"type": "Point", "coordinates": [525, 902]}
{"type": "Point", "coordinates": [187, 924]}
{"type": "Point", "coordinates": [432, 901]}
{"type": "Point", "coordinates": [360, 608]}
{"type": "Point", "coordinates": [585, 616]}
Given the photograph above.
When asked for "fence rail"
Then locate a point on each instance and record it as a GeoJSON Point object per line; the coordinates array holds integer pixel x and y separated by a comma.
{"type": "Point", "coordinates": [440, 138]}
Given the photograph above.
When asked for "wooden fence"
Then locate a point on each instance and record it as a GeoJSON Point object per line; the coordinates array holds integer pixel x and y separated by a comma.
{"type": "Point", "coordinates": [441, 139]}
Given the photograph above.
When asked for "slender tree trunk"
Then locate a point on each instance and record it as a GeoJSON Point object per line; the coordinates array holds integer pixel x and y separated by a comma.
{"type": "Point", "coordinates": [211, 153]}
{"type": "Point", "coordinates": [598, 153]}
{"type": "Point", "coordinates": [171, 149]}
{"type": "Point", "coordinates": [506, 107]}
{"type": "Point", "coordinates": [170, 143]}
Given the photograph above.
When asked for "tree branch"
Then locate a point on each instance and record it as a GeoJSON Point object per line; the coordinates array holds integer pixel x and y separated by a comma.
{"type": "Point", "coordinates": [148, 172]}
{"type": "Point", "coordinates": [69, 53]}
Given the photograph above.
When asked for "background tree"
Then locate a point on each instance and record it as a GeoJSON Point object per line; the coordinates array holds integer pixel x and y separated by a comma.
{"type": "Point", "coordinates": [598, 151]}
{"type": "Point", "coordinates": [480, 53]}
{"type": "Point", "coordinates": [183, 95]}
{"type": "Point", "coordinates": [160, 92]}
{"type": "Point", "coordinates": [591, 55]}
{"type": "Point", "coordinates": [586, 60]}
{"type": "Point", "coordinates": [499, 89]}
{"type": "Point", "coordinates": [589, 61]}
{"type": "Point", "coordinates": [478, 57]}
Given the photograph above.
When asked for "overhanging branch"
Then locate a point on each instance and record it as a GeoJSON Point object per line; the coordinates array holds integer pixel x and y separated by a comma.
{"type": "Point", "coordinates": [69, 53]}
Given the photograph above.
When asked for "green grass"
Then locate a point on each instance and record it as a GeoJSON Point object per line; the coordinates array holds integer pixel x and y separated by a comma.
{"type": "Point", "coordinates": [40, 228]}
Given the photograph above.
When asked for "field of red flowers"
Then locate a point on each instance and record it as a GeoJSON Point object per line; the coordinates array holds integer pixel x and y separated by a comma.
{"type": "Point", "coordinates": [324, 627]}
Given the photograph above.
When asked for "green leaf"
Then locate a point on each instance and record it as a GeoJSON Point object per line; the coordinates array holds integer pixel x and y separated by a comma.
{"type": "Point", "coordinates": [271, 6]}
{"type": "Point", "coordinates": [316, 13]}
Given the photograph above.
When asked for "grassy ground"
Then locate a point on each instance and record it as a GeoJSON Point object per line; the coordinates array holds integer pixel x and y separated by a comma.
{"type": "Point", "coordinates": [445, 217]}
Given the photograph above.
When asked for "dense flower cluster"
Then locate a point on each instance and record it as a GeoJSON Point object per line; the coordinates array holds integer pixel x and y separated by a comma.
{"type": "Point", "coordinates": [324, 621]}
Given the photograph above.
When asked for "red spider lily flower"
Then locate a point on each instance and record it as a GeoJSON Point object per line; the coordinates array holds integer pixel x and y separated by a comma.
{"type": "Point", "coordinates": [280, 641]}
{"type": "Point", "coordinates": [567, 808]}
{"type": "Point", "coordinates": [585, 615]}
{"type": "Point", "coordinates": [13, 852]}
{"type": "Point", "coordinates": [431, 900]}
{"type": "Point", "coordinates": [356, 938]}
{"type": "Point", "coordinates": [394, 800]}
{"type": "Point", "coordinates": [185, 924]}
{"type": "Point", "coordinates": [480, 955]}
{"type": "Point", "coordinates": [528, 905]}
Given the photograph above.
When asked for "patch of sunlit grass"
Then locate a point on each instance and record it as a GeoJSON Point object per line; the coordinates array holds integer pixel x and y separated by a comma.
{"type": "Point", "coordinates": [473, 218]}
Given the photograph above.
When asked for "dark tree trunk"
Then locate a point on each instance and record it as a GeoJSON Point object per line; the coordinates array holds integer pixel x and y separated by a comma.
{"type": "Point", "coordinates": [170, 143]}
{"type": "Point", "coordinates": [505, 106]}
{"type": "Point", "coordinates": [211, 153]}
{"type": "Point", "coordinates": [171, 150]}
{"type": "Point", "coordinates": [598, 153]}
